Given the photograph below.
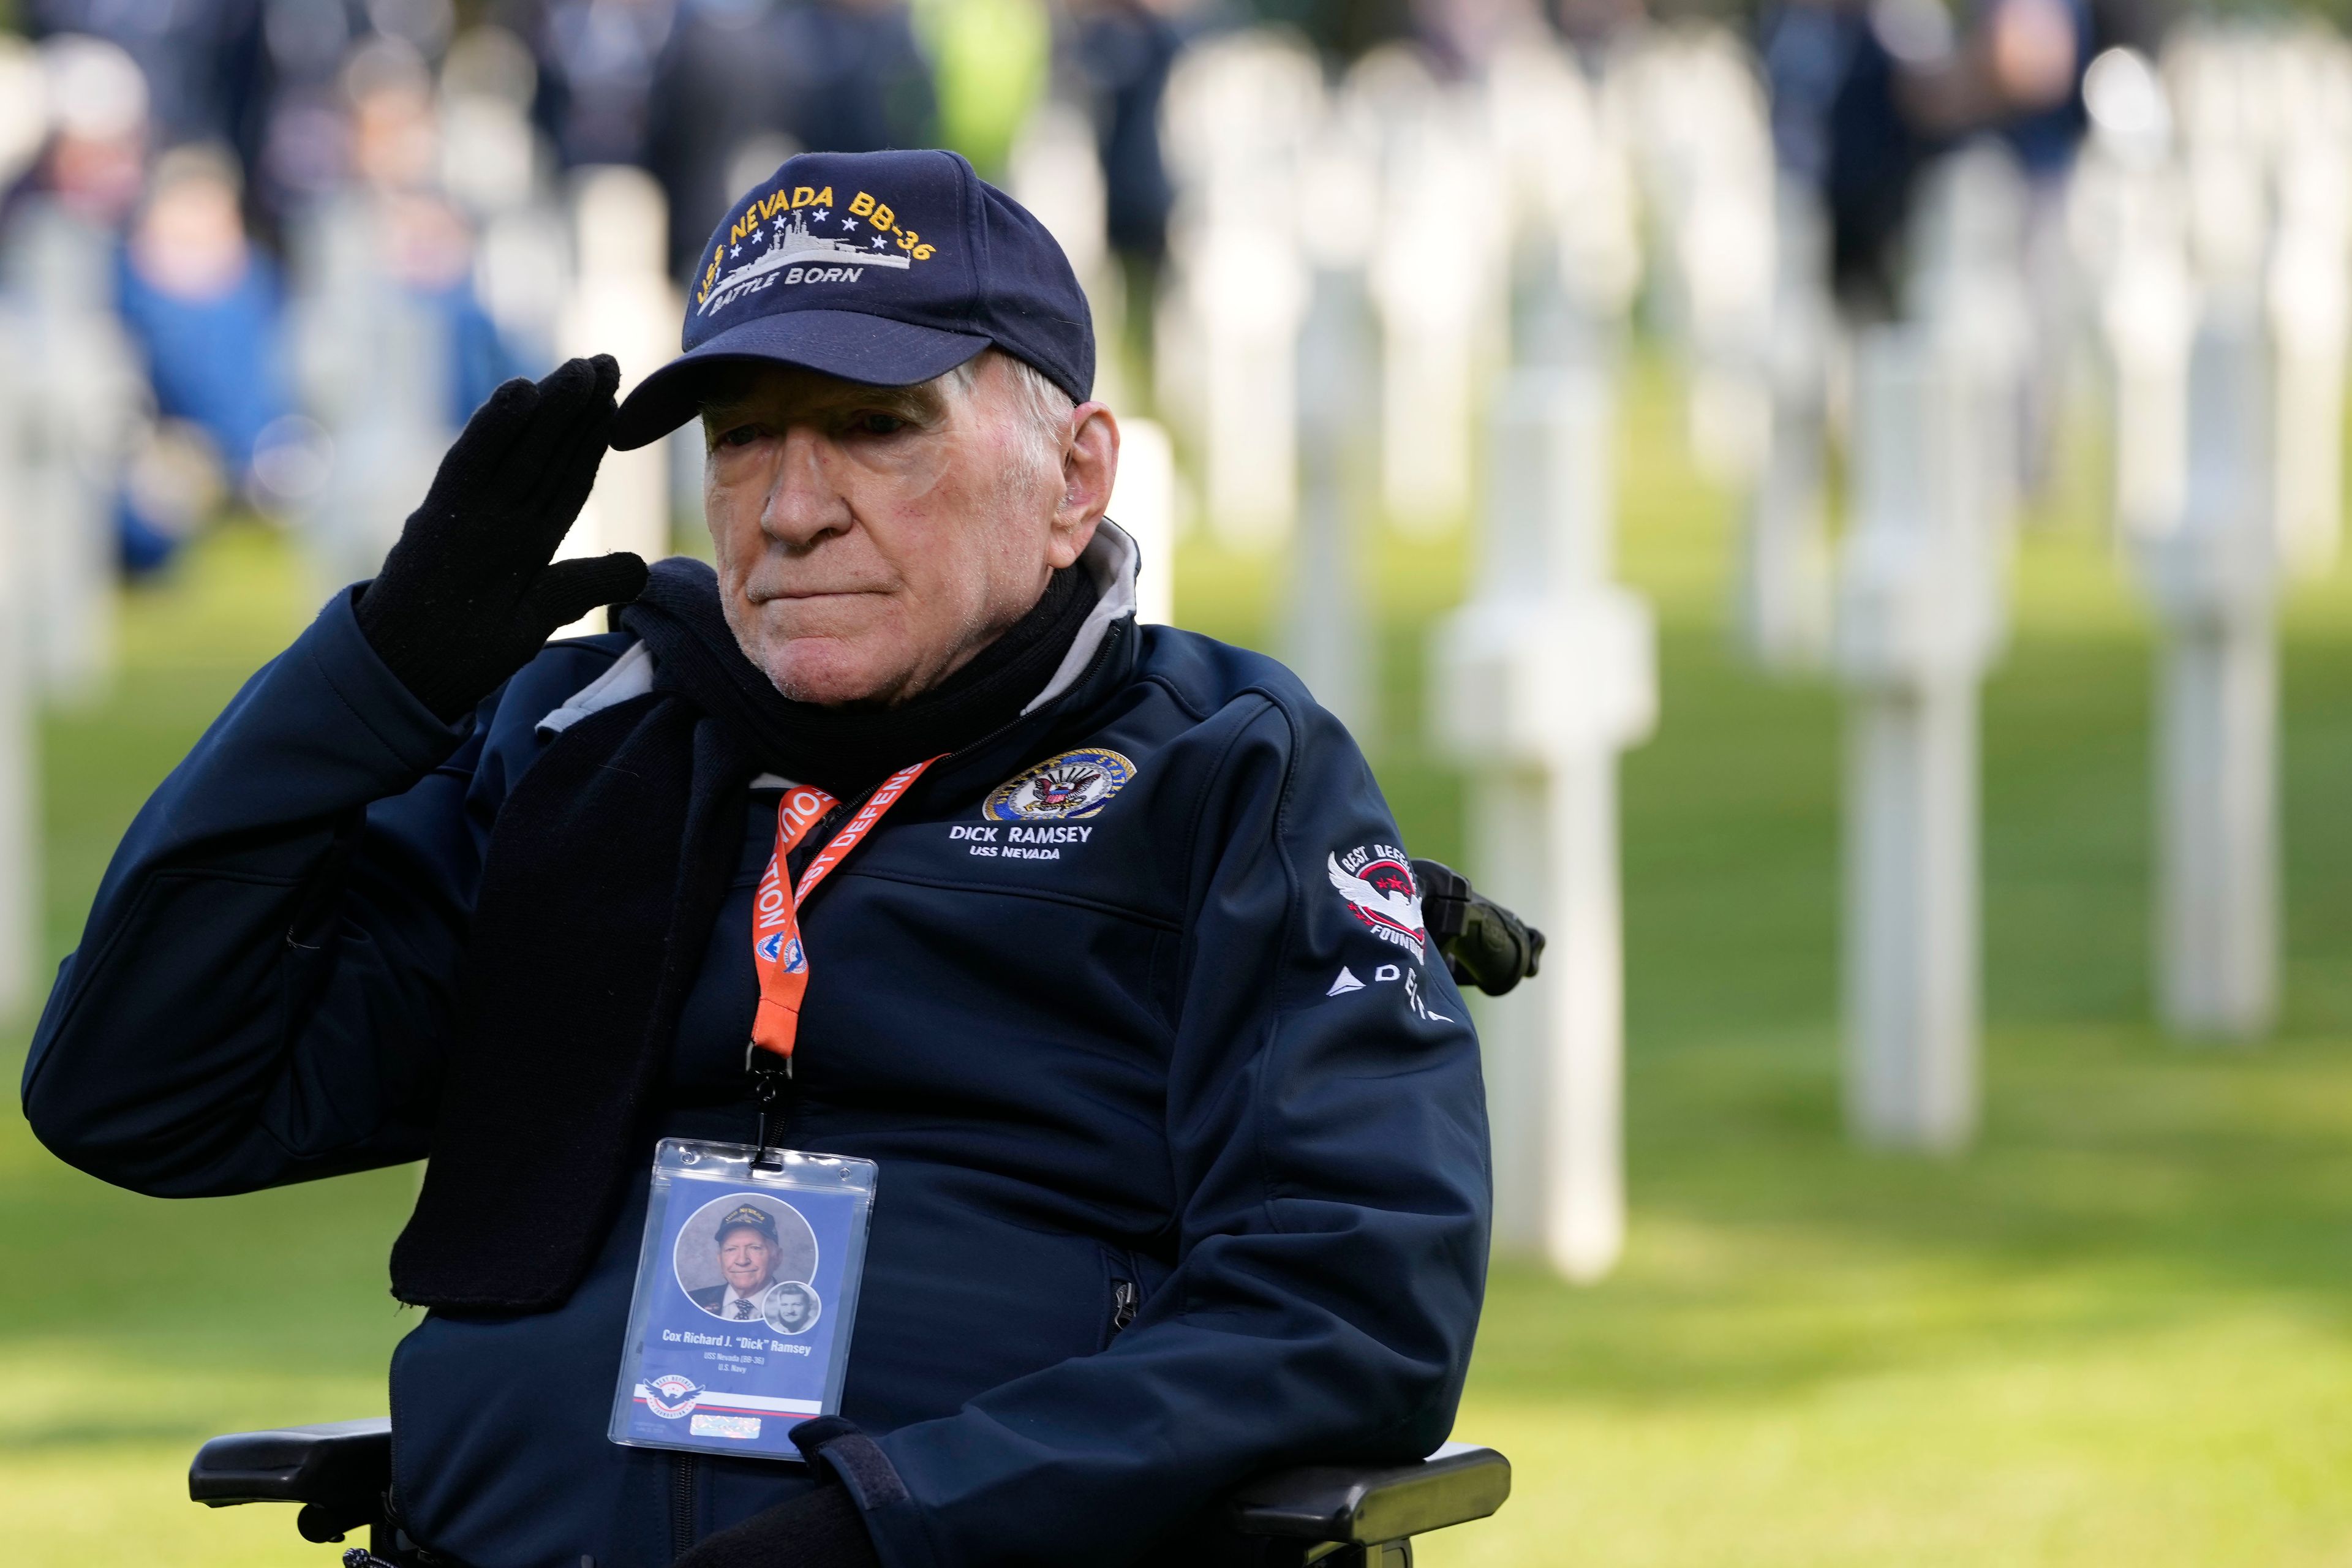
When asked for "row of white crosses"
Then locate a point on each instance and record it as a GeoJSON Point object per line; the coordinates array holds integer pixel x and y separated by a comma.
{"type": "Point", "coordinates": [72, 404]}
{"type": "Point", "coordinates": [1264, 354]}
{"type": "Point", "coordinates": [1908, 616]}
{"type": "Point", "coordinates": [1369, 257]}
{"type": "Point", "coordinates": [1698, 120]}
{"type": "Point", "coordinates": [2263, 124]}
{"type": "Point", "coordinates": [1239, 115]}
{"type": "Point", "coordinates": [2216, 220]}
{"type": "Point", "coordinates": [1741, 285]}
{"type": "Point", "coordinates": [1385, 188]}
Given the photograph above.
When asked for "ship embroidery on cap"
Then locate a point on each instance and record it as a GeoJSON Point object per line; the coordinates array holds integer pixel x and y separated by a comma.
{"type": "Point", "coordinates": [787, 235]}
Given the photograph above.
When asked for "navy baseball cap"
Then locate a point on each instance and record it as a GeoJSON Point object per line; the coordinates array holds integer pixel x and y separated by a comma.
{"type": "Point", "coordinates": [885, 267]}
{"type": "Point", "coordinates": [747, 1216]}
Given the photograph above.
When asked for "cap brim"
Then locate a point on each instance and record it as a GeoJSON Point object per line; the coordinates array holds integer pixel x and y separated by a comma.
{"type": "Point", "coordinates": [847, 343]}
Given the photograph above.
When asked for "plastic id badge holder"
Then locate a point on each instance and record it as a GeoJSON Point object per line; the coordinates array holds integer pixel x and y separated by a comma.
{"type": "Point", "coordinates": [746, 1290]}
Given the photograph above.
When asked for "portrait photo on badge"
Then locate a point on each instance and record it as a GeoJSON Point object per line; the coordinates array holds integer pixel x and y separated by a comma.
{"type": "Point", "coordinates": [735, 1249]}
{"type": "Point", "coordinates": [792, 1306]}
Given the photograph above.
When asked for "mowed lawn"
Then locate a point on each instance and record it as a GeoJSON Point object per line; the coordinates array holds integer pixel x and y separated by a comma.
{"type": "Point", "coordinates": [2117, 1331]}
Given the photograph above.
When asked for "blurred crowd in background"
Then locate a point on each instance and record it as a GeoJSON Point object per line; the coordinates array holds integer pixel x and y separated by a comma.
{"type": "Point", "coordinates": [176, 165]}
{"type": "Point", "coordinates": [196, 146]}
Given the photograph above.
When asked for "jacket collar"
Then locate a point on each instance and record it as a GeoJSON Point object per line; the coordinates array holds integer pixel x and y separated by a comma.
{"type": "Point", "coordinates": [1112, 559]}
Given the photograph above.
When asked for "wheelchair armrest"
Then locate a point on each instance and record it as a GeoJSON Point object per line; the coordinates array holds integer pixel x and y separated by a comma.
{"type": "Point", "coordinates": [337, 1467]}
{"type": "Point", "coordinates": [1364, 1505]}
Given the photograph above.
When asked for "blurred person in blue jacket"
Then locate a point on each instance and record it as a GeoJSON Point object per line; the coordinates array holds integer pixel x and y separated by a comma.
{"type": "Point", "coordinates": [1121, 978]}
{"type": "Point", "coordinates": [206, 308]}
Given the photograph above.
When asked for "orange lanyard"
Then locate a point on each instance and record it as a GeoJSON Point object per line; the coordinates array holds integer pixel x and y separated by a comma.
{"type": "Point", "coordinates": [778, 955]}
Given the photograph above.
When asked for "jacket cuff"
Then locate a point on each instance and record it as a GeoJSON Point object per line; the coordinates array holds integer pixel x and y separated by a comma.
{"type": "Point", "coordinates": [866, 1473]}
{"type": "Point", "coordinates": [413, 738]}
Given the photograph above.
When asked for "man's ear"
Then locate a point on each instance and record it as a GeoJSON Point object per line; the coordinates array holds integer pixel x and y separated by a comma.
{"type": "Point", "coordinates": [1089, 468]}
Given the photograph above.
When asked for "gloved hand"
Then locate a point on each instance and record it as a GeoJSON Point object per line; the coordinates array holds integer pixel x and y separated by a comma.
{"type": "Point", "coordinates": [468, 594]}
{"type": "Point", "coordinates": [822, 1530]}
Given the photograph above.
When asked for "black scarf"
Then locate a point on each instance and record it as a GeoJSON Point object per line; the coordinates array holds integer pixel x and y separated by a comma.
{"type": "Point", "coordinates": [608, 863]}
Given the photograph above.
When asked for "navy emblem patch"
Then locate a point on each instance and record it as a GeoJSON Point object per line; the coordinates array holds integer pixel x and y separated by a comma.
{"type": "Point", "coordinates": [1073, 784]}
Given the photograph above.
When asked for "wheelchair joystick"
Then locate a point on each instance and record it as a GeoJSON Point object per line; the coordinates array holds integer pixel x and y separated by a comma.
{"type": "Point", "coordinates": [1483, 944]}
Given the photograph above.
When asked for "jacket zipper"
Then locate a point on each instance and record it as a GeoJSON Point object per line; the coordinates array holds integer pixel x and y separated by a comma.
{"type": "Point", "coordinates": [1124, 1301]}
{"type": "Point", "coordinates": [681, 1505]}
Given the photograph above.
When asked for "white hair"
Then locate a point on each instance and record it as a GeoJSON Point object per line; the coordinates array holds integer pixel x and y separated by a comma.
{"type": "Point", "coordinates": [1045, 407]}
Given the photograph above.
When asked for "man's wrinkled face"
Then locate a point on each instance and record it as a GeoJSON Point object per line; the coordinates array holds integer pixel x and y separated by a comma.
{"type": "Point", "coordinates": [747, 1258]}
{"type": "Point", "coordinates": [871, 540]}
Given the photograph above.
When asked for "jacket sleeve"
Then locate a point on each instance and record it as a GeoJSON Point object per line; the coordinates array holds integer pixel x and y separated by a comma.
{"type": "Point", "coordinates": [1332, 1164]}
{"type": "Point", "coordinates": [264, 984]}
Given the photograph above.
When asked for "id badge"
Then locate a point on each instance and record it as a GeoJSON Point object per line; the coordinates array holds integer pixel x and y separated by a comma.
{"type": "Point", "coordinates": [746, 1290]}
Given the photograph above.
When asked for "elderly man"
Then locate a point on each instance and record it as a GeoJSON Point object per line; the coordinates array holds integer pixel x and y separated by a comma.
{"type": "Point", "coordinates": [1182, 1150]}
{"type": "Point", "coordinates": [746, 1251]}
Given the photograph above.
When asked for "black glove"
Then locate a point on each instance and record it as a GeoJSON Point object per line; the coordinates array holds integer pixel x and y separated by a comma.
{"type": "Point", "coordinates": [467, 595]}
{"type": "Point", "coordinates": [823, 1530]}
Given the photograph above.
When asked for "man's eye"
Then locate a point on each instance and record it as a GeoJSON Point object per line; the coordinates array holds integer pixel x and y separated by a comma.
{"type": "Point", "coordinates": [878, 423]}
{"type": "Point", "coordinates": [739, 435]}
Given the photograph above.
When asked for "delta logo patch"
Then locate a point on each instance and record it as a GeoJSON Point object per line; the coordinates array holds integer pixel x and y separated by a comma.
{"type": "Point", "coordinates": [671, 1396]}
{"type": "Point", "coordinates": [802, 236]}
{"type": "Point", "coordinates": [1073, 784]}
{"type": "Point", "coordinates": [1376, 880]}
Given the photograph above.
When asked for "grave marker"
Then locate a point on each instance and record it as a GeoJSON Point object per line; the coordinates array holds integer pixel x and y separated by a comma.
{"type": "Point", "coordinates": [1917, 617]}
{"type": "Point", "coordinates": [1535, 685]}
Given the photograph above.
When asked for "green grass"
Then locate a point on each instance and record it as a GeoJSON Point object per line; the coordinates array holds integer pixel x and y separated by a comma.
{"type": "Point", "coordinates": [2118, 1331]}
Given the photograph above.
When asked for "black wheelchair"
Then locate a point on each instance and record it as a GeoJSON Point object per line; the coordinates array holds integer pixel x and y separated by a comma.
{"type": "Point", "coordinates": [1342, 1516]}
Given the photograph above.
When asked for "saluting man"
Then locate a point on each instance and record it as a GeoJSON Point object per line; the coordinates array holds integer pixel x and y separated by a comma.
{"type": "Point", "coordinates": [1160, 1203]}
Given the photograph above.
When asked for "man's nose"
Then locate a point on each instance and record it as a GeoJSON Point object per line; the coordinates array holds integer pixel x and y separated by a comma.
{"type": "Point", "coordinates": [803, 503]}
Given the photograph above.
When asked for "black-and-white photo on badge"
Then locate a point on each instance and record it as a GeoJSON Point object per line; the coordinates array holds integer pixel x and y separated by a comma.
{"type": "Point", "coordinates": [735, 1251]}
{"type": "Point", "coordinates": [792, 1306]}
